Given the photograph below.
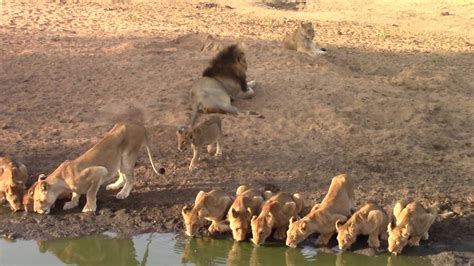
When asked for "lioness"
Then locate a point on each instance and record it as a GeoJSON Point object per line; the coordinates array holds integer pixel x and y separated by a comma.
{"type": "Point", "coordinates": [412, 224]}
{"type": "Point", "coordinates": [211, 206]}
{"type": "Point", "coordinates": [247, 203]}
{"type": "Point", "coordinates": [336, 205]}
{"type": "Point", "coordinates": [29, 201]}
{"type": "Point", "coordinates": [116, 153]}
{"type": "Point", "coordinates": [302, 40]}
{"type": "Point", "coordinates": [369, 220]}
{"type": "Point", "coordinates": [275, 214]}
{"type": "Point", "coordinates": [224, 80]}
{"type": "Point", "coordinates": [207, 133]}
{"type": "Point", "coordinates": [13, 176]}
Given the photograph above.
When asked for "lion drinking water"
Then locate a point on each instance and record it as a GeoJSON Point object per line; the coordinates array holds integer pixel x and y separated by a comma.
{"type": "Point", "coordinates": [13, 177]}
{"type": "Point", "coordinates": [116, 153]}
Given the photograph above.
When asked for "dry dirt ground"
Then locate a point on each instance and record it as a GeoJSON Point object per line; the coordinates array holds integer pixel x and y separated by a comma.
{"type": "Point", "coordinates": [392, 105]}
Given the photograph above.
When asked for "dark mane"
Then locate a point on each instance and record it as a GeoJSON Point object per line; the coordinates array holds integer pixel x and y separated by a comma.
{"type": "Point", "coordinates": [222, 61]}
{"type": "Point", "coordinates": [227, 63]}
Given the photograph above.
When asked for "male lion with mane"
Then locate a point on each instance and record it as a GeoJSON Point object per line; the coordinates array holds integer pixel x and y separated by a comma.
{"type": "Point", "coordinates": [223, 81]}
{"type": "Point", "coordinates": [116, 153]}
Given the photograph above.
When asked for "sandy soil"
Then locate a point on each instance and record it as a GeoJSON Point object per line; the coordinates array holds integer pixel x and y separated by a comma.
{"type": "Point", "coordinates": [392, 104]}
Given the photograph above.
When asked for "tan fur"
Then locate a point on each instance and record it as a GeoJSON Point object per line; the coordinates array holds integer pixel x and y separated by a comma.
{"type": "Point", "coordinates": [275, 215]}
{"type": "Point", "coordinates": [301, 40]}
{"type": "Point", "coordinates": [206, 133]}
{"type": "Point", "coordinates": [248, 202]}
{"type": "Point", "coordinates": [13, 177]}
{"type": "Point", "coordinates": [28, 197]}
{"type": "Point", "coordinates": [336, 205]}
{"type": "Point", "coordinates": [412, 224]}
{"type": "Point", "coordinates": [224, 80]}
{"type": "Point", "coordinates": [369, 220]}
{"type": "Point", "coordinates": [211, 206]}
{"type": "Point", "coordinates": [116, 153]}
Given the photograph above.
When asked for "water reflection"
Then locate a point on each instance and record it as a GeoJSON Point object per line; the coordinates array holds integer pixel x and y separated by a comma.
{"type": "Point", "coordinates": [99, 249]}
{"type": "Point", "coordinates": [170, 249]}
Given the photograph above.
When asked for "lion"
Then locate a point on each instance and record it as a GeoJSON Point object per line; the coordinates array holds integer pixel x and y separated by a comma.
{"type": "Point", "coordinates": [223, 81]}
{"type": "Point", "coordinates": [275, 214]}
{"type": "Point", "coordinates": [247, 203]}
{"type": "Point", "coordinates": [412, 224]}
{"type": "Point", "coordinates": [302, 40]}
{"type": "Point", "coordinates": [207, 133]}
{"type": "Point", "coordinates": [13, 177]}
{"type": "Point", "coordinates": [336, 205]}
{"type": "Point", "coordinates": [29, 201]}
{"type": "Point", "coordinates": [369, 220]}
{"type": "Point", "coordinates": [116, 153]}
{"type": "Point", "coordinates": [211, 206]}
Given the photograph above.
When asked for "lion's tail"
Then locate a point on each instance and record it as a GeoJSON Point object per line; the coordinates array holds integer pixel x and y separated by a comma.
{"type": "Point", "coordinates": [147, 144]}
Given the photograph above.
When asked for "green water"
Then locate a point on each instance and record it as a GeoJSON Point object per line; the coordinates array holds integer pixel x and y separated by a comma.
{"type": "Point", "coordinates": [171, 249]}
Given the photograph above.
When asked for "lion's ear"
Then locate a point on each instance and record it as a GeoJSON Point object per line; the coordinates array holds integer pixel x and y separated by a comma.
{"type": "Point", "coordinates": [292, 220]}
{"type": "Point", "coordinates": [404, 232]}
{"type": "Point", "coordinates": [186, 209]}
{"type": "Point", "coordinates": [303, 226]}
{"type": "Point", "coordinates": [390, 227]}
{"type": "Point", "coordinates": [339, 223]}
{"type": "Point", "coordinates": [254, 218]}
{"type": "Point", "coordinates": [234, 213]}
{"type": "Point", "coordinates": [43, 186]}
{"type": "Point", "coordinates": [41, 177]}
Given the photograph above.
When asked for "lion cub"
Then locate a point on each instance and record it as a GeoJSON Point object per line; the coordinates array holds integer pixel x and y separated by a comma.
{"type": "Point", "coordinates": [302, 40]}
{"type": "Point", "coordinates": [207, 133]}
{"type": "Point", "coordinates": [247, 203]}
{"type": "Point", "coordinates": [13, 176]}
{"type": "Point", "coordinates": [211, 206]}
{"type": "Point", "coordinates": [369, 220]}
{"type": "Point", "coordinates": [275, 214]}
{"type": "Point", "coordinates": [412, 223]}
{"type": "Point", "coordinates": [336, 205]}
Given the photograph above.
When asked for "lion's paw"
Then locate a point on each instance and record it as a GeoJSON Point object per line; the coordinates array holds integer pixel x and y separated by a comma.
{"type": "Point", "coordinates": [122, 195]}
{"type": "Point", "coordinates": [70, 205]}
{"type": "Point", "coordinates": [89, 209]}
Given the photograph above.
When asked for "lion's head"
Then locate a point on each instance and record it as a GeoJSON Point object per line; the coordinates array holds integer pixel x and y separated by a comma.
{"type": "Point", "coordinates": [192, 220]}
{"type": "Point", "coordinates": [346, 234]}
{"type": "Point", "coordinates": [398, 237]}
{"type": "Point", "coordinates": [297, 231]}
{"type": "Point", "coordinates": [43, 197]}
{"type": "Point", "coordinates": [14, 188]}
{"type": "Point", "coordinates": [240, 222]}
{"type": "Point", "coordinates": [307, 30]}
{"type": "Point", "coordinates": [184, 136]}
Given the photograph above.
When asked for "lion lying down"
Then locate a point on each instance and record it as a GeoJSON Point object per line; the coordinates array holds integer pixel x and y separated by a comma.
{"type": "Point", "coordinates": [224, 80]}
{"type": "Point", "coordinates": [116, 153]}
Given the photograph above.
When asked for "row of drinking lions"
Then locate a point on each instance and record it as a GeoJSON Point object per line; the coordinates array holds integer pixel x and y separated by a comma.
{"type": "Point", "coordinates": [111, 162]}
{"type": "Point", "coordinates": [261, 213]}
